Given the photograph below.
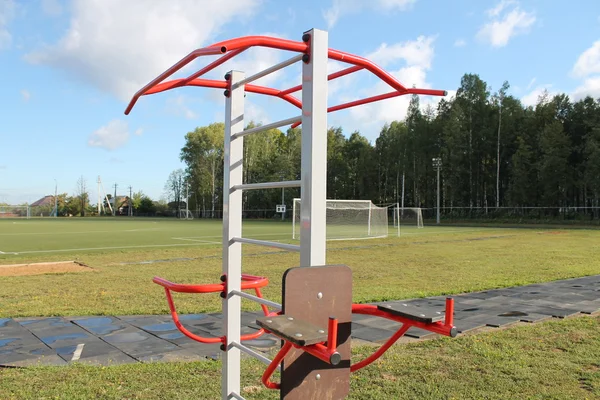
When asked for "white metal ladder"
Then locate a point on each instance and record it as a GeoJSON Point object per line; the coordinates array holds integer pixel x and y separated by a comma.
{"type": "Point", "coordinates": [313, 184]}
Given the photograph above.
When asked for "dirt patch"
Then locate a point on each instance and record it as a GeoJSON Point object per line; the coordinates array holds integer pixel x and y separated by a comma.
{"type": "Point", "coordinates": [59, 267]}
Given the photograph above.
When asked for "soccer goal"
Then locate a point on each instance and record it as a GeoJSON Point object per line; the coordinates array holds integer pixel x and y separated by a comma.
{"type": "Point", "coordinates": [185, 214]}
{"type": "Point", "coordinates": [348, 219]}
{"type": "Point", "coordinates": [407, 217]}
{"type": "Point", "coordinates": [10, 211]}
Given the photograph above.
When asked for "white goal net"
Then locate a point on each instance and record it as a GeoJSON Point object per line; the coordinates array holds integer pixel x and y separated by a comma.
{"type": "Point", "coordinates": [185, 214]}
{"type": "Point", "coordinates": [10, 211]}
{"type": "Point", "coordinates": [407, 217]}
{"type": "Point", "coordinates": [349, 219]}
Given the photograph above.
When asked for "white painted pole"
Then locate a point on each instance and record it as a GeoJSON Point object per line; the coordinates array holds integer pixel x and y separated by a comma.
{"type": "Point", "coordinates": [294, 219]}
{"type": "Point", "coordinates": [314, 152]}
{"type": "Point", "coordinates": [369, 222]}
{"type": "Point", "coordinates": [232, 227]}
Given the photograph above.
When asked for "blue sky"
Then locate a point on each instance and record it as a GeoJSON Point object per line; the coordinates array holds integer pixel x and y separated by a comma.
{"type": "Point", "coordinates": [68, 69]}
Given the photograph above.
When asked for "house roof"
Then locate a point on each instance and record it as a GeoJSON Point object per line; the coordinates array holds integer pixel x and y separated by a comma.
{"type": "Point", "coordinates": [44, 201]}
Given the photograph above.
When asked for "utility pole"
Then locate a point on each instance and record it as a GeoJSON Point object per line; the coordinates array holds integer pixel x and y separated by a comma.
{"type": "Point", "coordinates": [130, 204]}
{"type": "Point", "coordinates": [115, 201]}
{"type": "Point", "coordinates": [55, 199]}
{"type": "Point", "coordinates": [437, 164]}
{"type": "Point", "coordinates": [187, 194]}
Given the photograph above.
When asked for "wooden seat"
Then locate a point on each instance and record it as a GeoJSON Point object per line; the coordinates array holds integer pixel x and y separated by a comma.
{"type": "Point", "coordinates": [413, 313]}
{"type": "Point", "coordinates": [296, 331]}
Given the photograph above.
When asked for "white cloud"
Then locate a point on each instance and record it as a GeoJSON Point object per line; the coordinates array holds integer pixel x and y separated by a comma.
{"type": "Point", "coordinates": [506, 20]}
{"type": "Point", "coordinates": [52, 8]}
{"type": "Point", "coordinates": [588, 62]}
{"type": "Point", "coordinates": [178, 105]}
{"type": "Point", "coordinates": [3, 167]}
{"type": "Point", "coordinates": [460, 43]}
{"type": "Point", "coordinates": [496, 11]}
{"type": "Point", "coordinates": [341, 7]}
{"type": "Point", "coordinates": [415, 52]}
{"type": "Point", "coordinates": [533, 97]}
{"type": "Point", "coordinates": [531, 83]}
{"type": "Point", "coordinates": [255, 113]}
{"type": "Point", "coordinates": [139, 132]}
{"type": "Point", "coordinates": [7, 13]}
{"type": "Point", "coordinates": [26, 95]}
{"type": "Point", "coordinates": [119, 46]}
{"type": "Point", "coordinates": [111, 136]}
{"type": "Point", "coordinates": [590, 87]}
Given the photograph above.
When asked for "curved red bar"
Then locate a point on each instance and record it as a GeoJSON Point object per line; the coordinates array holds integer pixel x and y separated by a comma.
{"type": "Point", "coordinates": [178, 287]}
{"type": "Point", "coordinates": [263, 41]}
{"type": "Point", "coordinates": [444, 328]}
{"type": "Point", "coordinates": [235, 46]}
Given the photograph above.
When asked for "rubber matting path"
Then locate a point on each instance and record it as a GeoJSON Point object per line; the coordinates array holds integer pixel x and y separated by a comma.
{"type": "Point", "coordinates": [130, 339]}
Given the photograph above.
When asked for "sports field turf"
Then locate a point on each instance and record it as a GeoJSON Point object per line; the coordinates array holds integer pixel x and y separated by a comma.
{"type": "Point", "coordinates": [548, 360]}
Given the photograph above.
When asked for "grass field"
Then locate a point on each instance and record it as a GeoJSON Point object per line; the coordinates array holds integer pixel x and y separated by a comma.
{"type": "Point", "coordinates": [549, 360]}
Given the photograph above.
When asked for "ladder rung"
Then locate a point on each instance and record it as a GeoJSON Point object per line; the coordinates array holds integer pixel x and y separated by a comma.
{"type": "Point", "coordinates": [251, 352]}
{"type": "Point", "coordinates": [268, 71]}
{"type": "Point", "coordinates": [263, 128]}
{"type": "Point", "coordinates": [267, 185]}
{"type": "Point", "coordinates": [257, 299]}
{"type": "Point", "coordinates": [284, 246]}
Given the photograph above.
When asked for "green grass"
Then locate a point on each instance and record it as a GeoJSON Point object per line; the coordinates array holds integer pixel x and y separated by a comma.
{"type": "Point", "coordinates": [552, 360]}
{"type": "Point", "coordinates": [430, 261]}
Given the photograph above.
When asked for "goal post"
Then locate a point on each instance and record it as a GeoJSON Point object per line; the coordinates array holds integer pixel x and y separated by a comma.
{"type": "Point", "coordinates": [348, 219]}
{"type": "Point", "coordinates": [407, 217]}
{"type": "Point", "coordinates": [14, 211]}
{"type": "Point", "coordinates": [185, 214]}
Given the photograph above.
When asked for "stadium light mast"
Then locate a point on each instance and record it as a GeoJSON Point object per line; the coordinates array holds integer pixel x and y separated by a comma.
{"type": "Point", "coordinates": [437, 164]}
{"type": "Point", "coordinates": [55, 199]}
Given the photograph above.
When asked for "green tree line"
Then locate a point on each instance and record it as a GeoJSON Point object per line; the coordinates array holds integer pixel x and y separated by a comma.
{"type": "Point", "coordinates": [495, 151]}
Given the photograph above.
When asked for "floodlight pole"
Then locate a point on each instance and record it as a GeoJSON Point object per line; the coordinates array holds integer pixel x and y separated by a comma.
{"type": "Point", "coordinates": [55, 199]}
{"type": "Point", "coordinates": [187, 195]}
{"type": "Point", "coordinates": [437, 164]}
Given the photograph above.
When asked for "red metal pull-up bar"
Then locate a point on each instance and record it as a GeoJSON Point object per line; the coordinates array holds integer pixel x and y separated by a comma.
{"type": "Point", "coordinates": [233, 47]}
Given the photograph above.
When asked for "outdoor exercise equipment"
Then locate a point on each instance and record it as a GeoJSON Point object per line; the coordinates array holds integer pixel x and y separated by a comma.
{"type": "Point", "coordinates": [314, 321]}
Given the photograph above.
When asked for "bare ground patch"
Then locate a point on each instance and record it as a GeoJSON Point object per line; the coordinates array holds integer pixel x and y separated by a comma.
{"type": "Point", "coordinates": [43, 268]}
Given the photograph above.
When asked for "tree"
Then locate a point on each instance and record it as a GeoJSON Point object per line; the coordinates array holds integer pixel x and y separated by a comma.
{"type": "Point", "coordinates": [203, 156]}
{"type": "Point", "coordinates": [174, 188]}
{"type": "Point", "coordinates": [82, 194]}
{"type": "Point", "coordinates": [554, 165]}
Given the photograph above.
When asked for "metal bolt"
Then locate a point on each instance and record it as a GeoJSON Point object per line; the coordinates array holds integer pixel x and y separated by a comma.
{"type": "Point", "coordinates": [298, 335]}
{"type": "Point", "coordinates": [321, 331]}
{"type": "Point", "coordinates": [318, 376]}
{"type": "Point", "coordinates": [268, 321]}
{"type": "Point", "coordinates": [319, 295]}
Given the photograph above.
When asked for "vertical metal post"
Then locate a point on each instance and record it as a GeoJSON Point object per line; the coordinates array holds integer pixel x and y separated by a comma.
{"type": "Point", "coordinates": [437, 164]}
{"type": "Point", "coordinates": [232, 227]}
{"type": "Point", "coordinates": [294, 219]}
{"type": "Point", "coordinates": [369, 223]}
{"type": "Point", "coordinates": [314, 151]}
{"type": "Point", "coordinates": [56, 200]}
{"type": "Point", "coordinates": [187, 197]}
{"type": "Point", "coordinates": [397, 216]}
{"type": "Point", "coordinates": [283, 203]}
{"type": "Point", "coordinates": [438, 196]}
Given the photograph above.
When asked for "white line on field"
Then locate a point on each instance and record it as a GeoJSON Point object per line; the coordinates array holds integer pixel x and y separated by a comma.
{"type": "Point", "coordinates": [113, 248]}
{"type": "Point", "coordinates": [77, 353]}
{"type": "Point", "coordinates": [441, 232]}
{"type": "Point", "coordinates": [193, 239]}
{"type": "Point", "coordinates": [77, 232]}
